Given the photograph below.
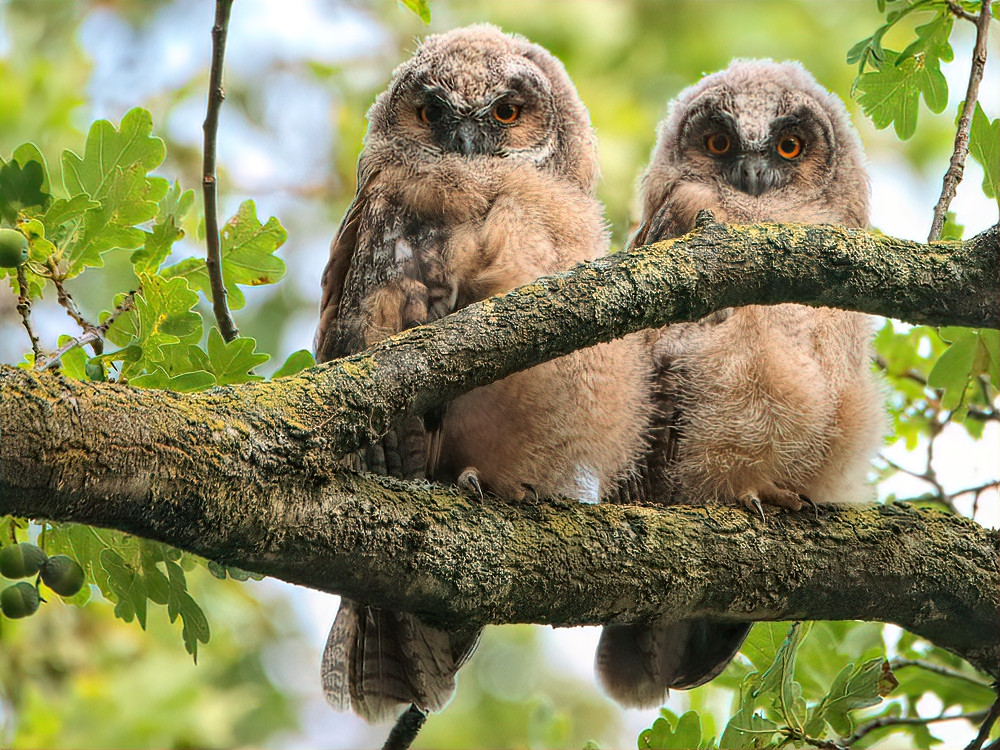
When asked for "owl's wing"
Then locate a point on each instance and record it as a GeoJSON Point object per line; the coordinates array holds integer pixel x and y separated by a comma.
{"type": "Point", "coordinates": [384, 275]}
{"type": "Point", "coordinates": [342, 250]}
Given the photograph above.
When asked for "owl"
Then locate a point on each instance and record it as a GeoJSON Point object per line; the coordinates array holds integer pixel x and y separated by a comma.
{"type": "Point", "coordinates": [760, 405]}
{"type": "Point", "coordinates": [477, 175]}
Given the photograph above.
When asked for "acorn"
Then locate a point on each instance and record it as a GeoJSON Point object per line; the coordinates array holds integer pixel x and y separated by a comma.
{"type": "Point", "coordinates": [19, 600]}
{"type": "Point", "coordinates": [21, 560]}
{"type": "Point", "coordinates": [13, 248]}
{"type": "Point", "coordinates": [63, 575]}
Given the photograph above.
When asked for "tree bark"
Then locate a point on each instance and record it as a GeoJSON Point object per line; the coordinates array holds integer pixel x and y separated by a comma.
{"type": "Point", "coordinates": [248, 475]}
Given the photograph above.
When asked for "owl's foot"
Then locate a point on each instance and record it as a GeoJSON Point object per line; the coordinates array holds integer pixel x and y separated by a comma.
{"type": "Point", "coordinates": [754, 500]}
{"type": "Point", "coordinates": [468, 480]}
{"type": "Point", "coordinates": [530, 493]}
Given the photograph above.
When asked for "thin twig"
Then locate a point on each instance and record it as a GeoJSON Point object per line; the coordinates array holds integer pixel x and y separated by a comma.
{"type": "Point", "coordinates": [957, 165]}
{"type": "Point", "coordinates": [901, 663]}
{"type": "Point", "coordinates": [64, 298]}
{"type": "Point", "coordinates": [209, 182]}
{"type": "Point", "coordinates": [24, 310]}
{"type": "Point", "coordinates": [893, 721]}
{"type": "Point", "coordinates": [94, 335]}
{"type": "Point", "coordinates": [960, 12]}
{"type": "Point", "coordinates": [984, 730]}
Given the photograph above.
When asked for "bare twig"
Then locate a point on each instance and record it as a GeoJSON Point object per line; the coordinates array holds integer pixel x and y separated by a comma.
{"type": "Point", "coordinates": [24, 310]}
{"type": "Point", "coordinates": [901, 663]}
{"type": "Point", "coordinates": [957, 165]}
{"type": "Point", "coordinates": [209, 182]}
{"type": "Point", "coordinates": [960, 12]}
{"type": "Point", "coordinates": [987, 726]}
{"type": "Point", "coordinates": [94, 335]}
{"type": "Point", "coordinates": [65, 299]}
{"type": "Point", "coordinates": [895, 721]}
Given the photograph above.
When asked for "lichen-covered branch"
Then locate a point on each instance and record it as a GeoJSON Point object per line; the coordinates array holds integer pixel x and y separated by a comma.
{"type": "Point", "coordinates": [452, 558]}
{"type": "Point", "coordinates": [305, 422]}
{"type": "Point", "coordinates": [248, 475]}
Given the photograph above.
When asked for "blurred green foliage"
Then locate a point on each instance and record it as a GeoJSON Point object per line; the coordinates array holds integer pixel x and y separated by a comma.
{"type": "Point", "coordinates": [73, 676]}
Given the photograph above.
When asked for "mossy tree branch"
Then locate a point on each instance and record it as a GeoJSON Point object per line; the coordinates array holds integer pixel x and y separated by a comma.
{"type": "Point", "coordinates": [248, 476]}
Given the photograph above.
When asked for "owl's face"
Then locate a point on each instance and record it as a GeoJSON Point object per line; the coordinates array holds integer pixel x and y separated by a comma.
{"type": "Point", "coordinates": [759, 141]}
{"type": "Point", "coordinates": [477, 92]}
{"type": "Point", "coordinates": [756, 140]}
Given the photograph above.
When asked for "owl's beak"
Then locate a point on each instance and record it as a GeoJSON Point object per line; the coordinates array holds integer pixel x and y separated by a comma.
{"type": "Point", "coordinates": [467, 138]}
{"type": "Point", "coordinates": [754, 174]}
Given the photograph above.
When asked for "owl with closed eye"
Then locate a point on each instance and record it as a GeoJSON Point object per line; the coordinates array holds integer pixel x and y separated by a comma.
{"type": "Point", "coordinates": [759, 405]}
{"type": "Point", "coordinates": [477, 175]}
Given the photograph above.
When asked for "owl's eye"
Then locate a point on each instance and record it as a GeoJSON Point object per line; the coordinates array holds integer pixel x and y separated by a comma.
{"type": "Point", "coordinates": [430, 113]}
{"type": "Point", "coordinates": [718, 143]}
{"type": "Point", "coordinates": [506, 113]}
{"type": "Point", "coordinates": [789, 147]}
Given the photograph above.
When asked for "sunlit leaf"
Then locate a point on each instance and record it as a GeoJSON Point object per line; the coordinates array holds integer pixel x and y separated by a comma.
{"type": "Point", "coordinates": [248, 257]}
{"type": "Point", "coordinates": [984, 147]}
{"type": "Point", "coordinates": [296, 362]}
{"type": "Point", "coordinates": [420, 7]}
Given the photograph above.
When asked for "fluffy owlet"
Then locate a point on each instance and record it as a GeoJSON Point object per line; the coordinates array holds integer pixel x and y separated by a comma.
{"type": "Point", "coordinates": [774, 405]}
{"type": "Point", "coordinates": [477, 175]}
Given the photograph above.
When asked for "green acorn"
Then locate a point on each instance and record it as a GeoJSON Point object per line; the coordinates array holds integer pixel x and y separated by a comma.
{"type": "Point", "coordinates": [13, 248]}
{"type": "Point", "coordinates": [63, 575]}
{"type": "Point", "coordinates": [21, 560]}
{"type": "Point", "coordinates": [19, 600]}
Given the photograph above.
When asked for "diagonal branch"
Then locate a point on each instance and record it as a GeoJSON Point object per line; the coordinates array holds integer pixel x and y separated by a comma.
{"type": "Point", "coordinates": [956, 166]}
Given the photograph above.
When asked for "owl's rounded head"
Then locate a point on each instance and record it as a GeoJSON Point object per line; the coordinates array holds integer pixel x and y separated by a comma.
{"type": "Point", "coordinates": [758, 128]}
{"type": "Point", "coordinates": [476, 92]}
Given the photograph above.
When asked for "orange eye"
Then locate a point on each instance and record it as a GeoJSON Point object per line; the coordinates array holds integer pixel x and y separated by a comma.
{"type": "Point", "coordinates": [789, 147]}
{"type": "Point", "coordinates": [506, 113]}
{"type": "Point", "coordinates": [430, 113]}
{"type": "Point", "coordinates": [718, 143]}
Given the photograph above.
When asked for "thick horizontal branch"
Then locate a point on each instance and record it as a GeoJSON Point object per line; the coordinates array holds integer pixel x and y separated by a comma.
{"type": "Point", "coordinates": [248, 475]}
{"type": "Point", "coordinates": [455, 559]}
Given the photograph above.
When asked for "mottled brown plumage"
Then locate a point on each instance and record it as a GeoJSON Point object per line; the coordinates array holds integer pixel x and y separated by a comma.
{"type": "Point", "coordinates": [760, 405]}
{"type": "Point", "coordinates": [477, 175]}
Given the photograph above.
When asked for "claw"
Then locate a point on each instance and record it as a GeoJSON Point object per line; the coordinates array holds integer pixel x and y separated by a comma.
{"type": "Point", "coordinates": [752, 502]}
{"type": "Point", "coordinates": [469, 480]}
{"type": "Point", "coordinates": [530, 493]}
{"type": "Point", "coordinates": [811, 503]}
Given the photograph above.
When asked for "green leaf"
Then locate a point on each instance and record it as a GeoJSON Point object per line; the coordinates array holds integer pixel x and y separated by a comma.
{"type": "Point", "coordinates": [165, 232]}
{"type": "Point", "coordinates": [296, 362]}
{"type": "Point", "coordinates": [127, 586]}
{"type": "Point", "coordinates": [419, 7]}
{"type": "Point", "coordinates": [230, 362]}
{"type": "Point", "coordinates": [21, 186]}
{"type": "Point", "coordinates": [984, 147]}
{"type": "Point", "coordinates": [747, 729]}
{"type": "Point", "coordinates": [112, 172]}
{"type": "Point", "coordinates": [161, 317]}
{"type": "Point", "coordinates": [247, 256]}
{"type": "Point", "coordinates": [670, 733]}
{"type": "Point", "coordinates": [73, 362]}
{"type": "Point", "coordinates": [953, 370]}
{"type": "Point", "coordinates": [891, 96]}
{"type": "Point", "coordinates": [180, 604]}
{"type": "Point", "coordinates": [855, 687]}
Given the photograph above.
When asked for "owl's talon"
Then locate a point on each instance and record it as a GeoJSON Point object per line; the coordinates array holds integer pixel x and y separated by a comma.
{"type": "Point", "coordinates": [752, 502]}
{"type": "Point", "coordinates": [468, 480]}
{"type": "Point", "coordinates": [530, 493]}
{"type": "Point", "coordinates": [811, 503]}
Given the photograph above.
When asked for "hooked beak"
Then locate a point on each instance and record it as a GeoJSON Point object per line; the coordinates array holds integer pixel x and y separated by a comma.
{"type": "Point", "coordinates": [754, 174]}
{"type": "Point", "coordinates": [467, 139]}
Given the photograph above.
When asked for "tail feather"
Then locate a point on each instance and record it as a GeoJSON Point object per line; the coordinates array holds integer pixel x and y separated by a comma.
{"type": "Point", "coordinates": [378, 661]}
{"type": "Point", "coordinates": [638, 664]}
